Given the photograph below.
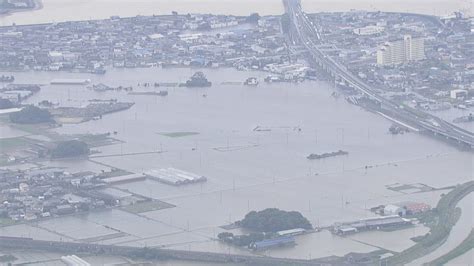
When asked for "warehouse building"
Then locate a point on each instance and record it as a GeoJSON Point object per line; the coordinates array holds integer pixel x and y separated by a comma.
{"type": "Point", "coordinates": [173, 176]}
{"type": "Point", "coordinates": [375, 223]}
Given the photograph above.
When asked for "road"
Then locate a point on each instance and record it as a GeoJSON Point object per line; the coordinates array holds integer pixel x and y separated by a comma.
{"type": "Point", "coordinates": [139, 253]}
{"type": "Point", "coordinates": [310, 37]}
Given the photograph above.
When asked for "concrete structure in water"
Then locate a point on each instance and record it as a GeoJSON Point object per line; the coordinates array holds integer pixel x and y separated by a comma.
{"type": "Point", "coordinates": [402, 51]}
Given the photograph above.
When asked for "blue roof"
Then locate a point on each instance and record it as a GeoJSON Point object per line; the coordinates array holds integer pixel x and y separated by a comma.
{"type": "Point", "coordinates": [274, 242]}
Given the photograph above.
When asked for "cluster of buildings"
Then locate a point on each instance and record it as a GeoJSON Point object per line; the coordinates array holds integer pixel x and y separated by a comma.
{"type": "Point", "coordinates": [418, 60]}
{"type": "Point", "coordinates": [144, 41]}
{"type": "Point", "coordinates": [406, 208]}
{"type": "Point", "coordinates": [41, 193]}
{"type": "Point", "coordinates": [402, 51]}
{"type": "Point", "coordinates": [376, 223]}
{"type": "Point", "coordinates": [50, 192]}
{"type": "Point", "coordinates": [16, 93]}
{"type": "Point", "coordinates": [393, 216]}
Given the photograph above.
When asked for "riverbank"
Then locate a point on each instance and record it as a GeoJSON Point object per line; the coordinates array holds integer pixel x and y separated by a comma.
{"type": "Point", "coordinates": [464, 247]}
{"type": "Point", "coordinates": [446, 215]}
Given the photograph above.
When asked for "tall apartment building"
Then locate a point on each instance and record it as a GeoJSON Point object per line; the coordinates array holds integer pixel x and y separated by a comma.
{"type": "Point", "coordinates": [399, 52]}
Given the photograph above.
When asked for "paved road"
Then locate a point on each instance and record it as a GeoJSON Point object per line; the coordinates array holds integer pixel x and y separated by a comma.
{"type": "Point", "coordinates": [310, 37]}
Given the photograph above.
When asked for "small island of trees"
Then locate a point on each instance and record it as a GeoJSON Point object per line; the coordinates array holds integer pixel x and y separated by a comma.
{"type": "Point", "coordinates": [70, 148]}
{"type": "Point", "coordinates": [274, 220]}
{"type": "Point", "coordinates": [31, 115]}
{"type": "Point", "coordinates": [265, 224]}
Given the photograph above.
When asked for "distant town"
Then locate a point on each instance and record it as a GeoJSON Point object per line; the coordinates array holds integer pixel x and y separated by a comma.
{"type": "Point", "coordinates": [434, 63]}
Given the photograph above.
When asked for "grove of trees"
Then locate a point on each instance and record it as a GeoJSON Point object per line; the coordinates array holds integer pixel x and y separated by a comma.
{"type": "Point", "coordinates": [31, 115]}
{"type": "Point", "coordinates": [70, 148]}
{"type": "Point", "coordinates": [273, 220]}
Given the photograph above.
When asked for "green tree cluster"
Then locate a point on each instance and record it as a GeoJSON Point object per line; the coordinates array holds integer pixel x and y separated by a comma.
{"type": "Point", "coordinates": [70, 148]}
{"type": "Point", "coordinates": [31, 115]}
{"type": "Point", "coordinates": [273, 220]}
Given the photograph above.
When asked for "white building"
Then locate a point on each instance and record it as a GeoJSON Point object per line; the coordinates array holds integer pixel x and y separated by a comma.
{"type": "Point", "coordinates": [174, 176]}
{"type": "Point", "coordinates": [73, 260]}
{"type": "Point", "coordinates": [394, 210]}
{"type": "Point", "coordinates": [403, 51]}
{"type": "Point", "coordinates": [369, 30]}
{"type": "Point", "coordinates": [456, 94]}
{"type": "Point", "coordinates": [55, 56]}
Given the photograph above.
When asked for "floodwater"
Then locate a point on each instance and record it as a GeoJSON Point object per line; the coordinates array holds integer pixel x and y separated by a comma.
{"type": "Point", "coordinates": [246, 169]}
{"type": "Point", "coordinates": [453, 113]}
{"type": "Point", "coordinates": [459, 232]}
{"type": "Point", "coordinates": [67, 10]}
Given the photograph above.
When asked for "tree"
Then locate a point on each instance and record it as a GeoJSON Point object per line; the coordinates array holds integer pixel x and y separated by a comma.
{"type": "Point", "coordinates": [70, 148]}
{"type": "Point", "coordinates": [273, 220]}
{"type": "Point", "coordinates": [253, 18]}
{"type": "Point", "coordinates": [31, 115]}
{"type": "Point", "coordinates": [5, 104]}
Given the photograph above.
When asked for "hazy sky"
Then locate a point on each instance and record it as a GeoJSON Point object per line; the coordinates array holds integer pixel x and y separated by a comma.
{"type": "Point", "coordinates": [63, 10]}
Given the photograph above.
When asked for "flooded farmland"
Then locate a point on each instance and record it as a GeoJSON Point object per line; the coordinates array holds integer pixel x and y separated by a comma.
{"type": "Point", "coordinates": [245, 169]}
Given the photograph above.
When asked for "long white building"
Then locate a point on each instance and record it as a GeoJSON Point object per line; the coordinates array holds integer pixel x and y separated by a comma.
{"type": "Point", "coordinates": [403, 51]}
{"type": "Point", "coordinates": [174, 176]}
{"type": "Point", "coordinates": [73, 260]}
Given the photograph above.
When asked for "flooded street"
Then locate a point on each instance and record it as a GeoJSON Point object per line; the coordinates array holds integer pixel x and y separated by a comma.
{"type": "Point", "coordinates": [245, 169]}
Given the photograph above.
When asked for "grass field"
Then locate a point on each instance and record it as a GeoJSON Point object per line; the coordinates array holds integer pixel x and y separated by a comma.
{"type": "Point", "coordinates": [178, 134]}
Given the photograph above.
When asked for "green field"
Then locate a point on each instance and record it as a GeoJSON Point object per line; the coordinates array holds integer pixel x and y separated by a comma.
{"type": "Point", "coordinates": [178, 134]}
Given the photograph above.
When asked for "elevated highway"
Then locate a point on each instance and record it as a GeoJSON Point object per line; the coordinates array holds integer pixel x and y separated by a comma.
{"type": "Point", "coordinates": [309, 36]}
